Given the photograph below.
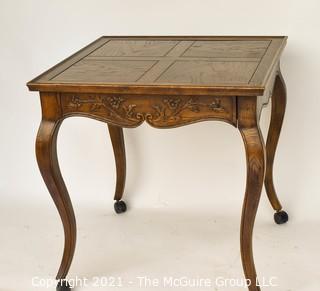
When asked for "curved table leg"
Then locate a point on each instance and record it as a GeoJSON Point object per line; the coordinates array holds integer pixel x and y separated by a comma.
{"type": "Point", "coordinates": [46, 151]}
{"type": "Point", "coordinates": [277, 114]}
{"type": "Point", "coordinates": [255, 175]}
{"type": "Point", "coordinates": [117, 140]}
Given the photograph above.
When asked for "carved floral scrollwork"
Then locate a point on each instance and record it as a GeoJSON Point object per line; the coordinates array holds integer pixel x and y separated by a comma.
{"type": "Point", "coordinates": [162, 111]}
{"type": "Point", "coordinates": [97, 102]}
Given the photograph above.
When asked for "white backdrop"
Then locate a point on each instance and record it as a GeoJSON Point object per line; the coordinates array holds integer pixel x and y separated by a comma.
{"type": "Point", "coordinates": [200, 167]}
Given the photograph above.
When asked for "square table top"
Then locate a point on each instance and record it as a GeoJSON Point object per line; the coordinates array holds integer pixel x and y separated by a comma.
{"type": "Point", "coordinates": [200, 65]}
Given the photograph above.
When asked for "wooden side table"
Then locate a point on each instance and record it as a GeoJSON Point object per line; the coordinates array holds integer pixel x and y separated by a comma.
{"type": "Point", "coordinates": [166, 82]}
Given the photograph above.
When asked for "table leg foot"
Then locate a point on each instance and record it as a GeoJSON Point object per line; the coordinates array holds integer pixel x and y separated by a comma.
{"type": "Point", "coordinates": [281, 217]}
{"type": "Point", "coordinates": [63, 285]}
{"type": "Point", "coordinates": [277, 115]}
{"type": "Point", "coordinates": [46, 151]}
{"type": "Point", "coordinates": [255, 175]}
{"type": "Point", "coordinates": [117, 140]}
{"type": "Point", "coordinates": [120, 207]}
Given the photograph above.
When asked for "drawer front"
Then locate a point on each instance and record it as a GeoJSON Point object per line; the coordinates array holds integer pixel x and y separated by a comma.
{"type": "Point", "coordinates": [158, 111]}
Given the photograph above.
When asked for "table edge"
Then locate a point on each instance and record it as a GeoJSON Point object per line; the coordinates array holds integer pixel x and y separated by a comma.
{"type": "Point", "coordinates": [141, 89]}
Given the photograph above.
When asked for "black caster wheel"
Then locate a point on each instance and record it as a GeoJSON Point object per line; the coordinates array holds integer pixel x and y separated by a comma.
{"type": "Point", "coordinates": [63, 285]}
{"type": "Point", "coordinates": [120, 207]}
{"type": "Point", "coordinates": [281, 217]}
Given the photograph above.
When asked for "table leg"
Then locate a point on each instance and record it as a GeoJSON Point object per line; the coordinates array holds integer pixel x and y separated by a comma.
{"type": "Point", "coordinates": [254, 146]}
{"type": "Point", "coordinates": [46, 151]}
{"type": "Point", "coordinates": [117, 140]}
{"type": "Point", "coordinates": [277, 114]}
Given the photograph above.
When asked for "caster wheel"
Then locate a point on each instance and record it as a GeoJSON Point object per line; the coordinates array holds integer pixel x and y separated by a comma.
{"type": "Point", "coordinates": [281, 217]}
{"type": "Point", "coordinates": [120, 207]}
{"type": "Point", "coordinates": [63, 285]}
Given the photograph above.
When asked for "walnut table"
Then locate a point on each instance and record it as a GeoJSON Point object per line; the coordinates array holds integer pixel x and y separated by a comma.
{"type": "Point", "coordinates": [166, 82]}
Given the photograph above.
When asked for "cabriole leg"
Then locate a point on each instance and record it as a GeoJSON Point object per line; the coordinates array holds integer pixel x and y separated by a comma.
{"type": "Point", "coordinates": [277, 113]}
{"type": "Point", "coordinates": [46, 152]}
{"type": "Point", "coordinates": [255, 156]}
{"type": "Point", "coordinates": [117, 140]}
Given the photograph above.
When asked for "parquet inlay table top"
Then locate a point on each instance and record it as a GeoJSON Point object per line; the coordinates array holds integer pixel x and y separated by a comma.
{"type": "Point", "coordinates": [167, 82]}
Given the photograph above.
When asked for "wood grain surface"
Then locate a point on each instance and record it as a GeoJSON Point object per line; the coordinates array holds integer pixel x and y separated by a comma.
{"type": "Point", "coordinates": [171, 65]}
